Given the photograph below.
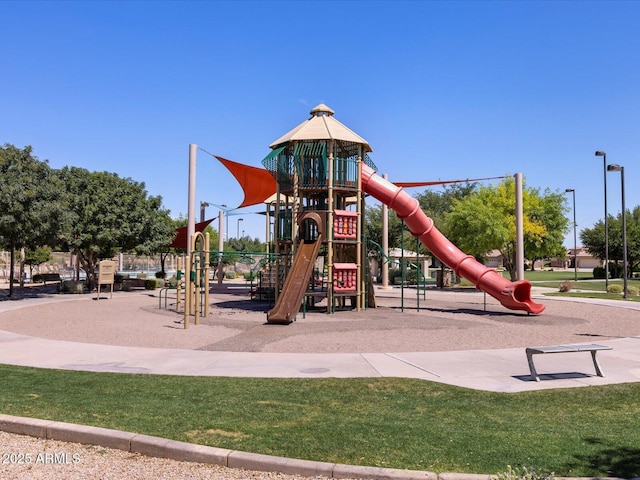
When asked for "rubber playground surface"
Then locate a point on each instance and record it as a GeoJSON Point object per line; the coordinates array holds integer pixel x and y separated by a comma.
{"type": "Point", "coordinates": [458, 337]}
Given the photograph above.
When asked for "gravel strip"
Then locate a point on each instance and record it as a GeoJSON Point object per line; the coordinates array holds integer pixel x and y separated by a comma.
{"type": "Point", "coordinates": [24, 457]}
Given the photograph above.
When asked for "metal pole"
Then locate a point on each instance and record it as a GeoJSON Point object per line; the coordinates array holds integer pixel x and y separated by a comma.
{"type": "Point", "coordinates": [385, 243]}
{"type": "Point", "coordinates": [220, 245]}
{"type": "Point", "coordinates": [617, 168]}
{"type": "Point", "coordinates": [203, 205]}
{"type": "Point", "coordinates": [238, 227]}
{"type": "Point", "coordinates": [624, 236]}
{"type": "Point", "coordinates": [575, 242]}
{"type": "Point", "coordinates": [402, 268]}
{"type": "Point", "coordinates": [606, 222]}
{"type": "Point", "coordinates": [418, 270]}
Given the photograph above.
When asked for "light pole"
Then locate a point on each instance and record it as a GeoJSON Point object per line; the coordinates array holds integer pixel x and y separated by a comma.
{"type": "Point", "coordinates": [606, 223]}
{"type": "Point", "coordinates": [203, 205]}
{"type": "Point", "coordinates": [575, 243]}
{"type": "Point", "coordinates": [614, 167]}
{"type": "Point", "coordinates": [238, 227]}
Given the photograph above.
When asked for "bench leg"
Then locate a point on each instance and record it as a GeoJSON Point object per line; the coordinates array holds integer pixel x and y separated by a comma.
{"type": "Point", "coordinates": [596, 364]}
{"type": "Point", "coordinates": [532, 368]}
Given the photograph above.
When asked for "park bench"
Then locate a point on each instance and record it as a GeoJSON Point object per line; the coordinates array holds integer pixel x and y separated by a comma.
{"type": "Point", "coordinates": [134, 282]}
{"type": "Point", "coordinates": [564, 349]}
{"type": "Point", "coordinates": [50, 277]}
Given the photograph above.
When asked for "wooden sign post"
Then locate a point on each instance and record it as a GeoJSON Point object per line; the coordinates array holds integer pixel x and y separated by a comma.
{"type": "Point", "coordinates": [106, 275]}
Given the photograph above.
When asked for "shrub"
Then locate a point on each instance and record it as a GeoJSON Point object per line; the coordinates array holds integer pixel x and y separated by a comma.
{"type": "Point", "coordinates": [565, 286]}
{"type": "Point", "coordinates": [633, 291]}
{"type": "Point", "coordinates": [411, 276]}
{"type": "Point", "coordinates": [230, 275]}
{"type": "Point", "coordinates": [393, 274]}
{"type": "Point", "coordinates": [522, 473]}
{"type": "Point", "coordinates": [118, 278]}
{"type": "Point", "coordinates": [614, 271]}
{"type": "Point", "coordinates": [615, 288]}
{"type": "Point", "coordinates": [71, 286]}
{"type": "Point", "coordinates": [249, 276]}
{"type": "Point", "coordinates": [161, 274]}
{"type": "Point", "coordinates": [152, 283]}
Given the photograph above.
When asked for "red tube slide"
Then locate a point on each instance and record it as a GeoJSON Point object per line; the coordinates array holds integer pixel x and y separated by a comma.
{"type": "Point", "coordinates": [513, 295]}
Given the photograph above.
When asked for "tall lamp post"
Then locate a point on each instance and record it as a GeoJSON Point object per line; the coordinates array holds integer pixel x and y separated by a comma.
{"type": "Point", "coordinates": [606, 223]}
{"type": "Point", "coordinates": [238, 227]}
{"type": "Point", "coordinates": [575, 242]}
{"type": "Point", "coordinates": [614, 167]}
{"type": "Point", "coordinates": [203, 205]}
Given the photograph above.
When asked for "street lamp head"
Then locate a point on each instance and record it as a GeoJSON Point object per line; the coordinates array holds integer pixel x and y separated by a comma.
{"type": "Point", "coordinates": [600, 154]}
{"type": "Point", "coordinates": [569, 190]}
{"type": "Point", "coordinates": [614, 167]}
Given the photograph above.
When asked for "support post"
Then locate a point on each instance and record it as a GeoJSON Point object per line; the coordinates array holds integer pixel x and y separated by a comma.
{"type": "Point", "coordinates": [220, 246]}
{"type": "Point", "coordinates": [385, 243]}
{"type": "Point", "coordinates": [191, 210]}
{"type": "Point", "coordinates": [519, 229]}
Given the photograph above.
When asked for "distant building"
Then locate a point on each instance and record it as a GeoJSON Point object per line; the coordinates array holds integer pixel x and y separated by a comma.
{"type": "Point", "coordinates": [585, 260]}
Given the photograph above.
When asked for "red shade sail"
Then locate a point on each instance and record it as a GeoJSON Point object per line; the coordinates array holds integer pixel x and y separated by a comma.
{"type": "Point", "coordinates": [257, 183]}
{"type": "Point", "coordinates": [180, 241]}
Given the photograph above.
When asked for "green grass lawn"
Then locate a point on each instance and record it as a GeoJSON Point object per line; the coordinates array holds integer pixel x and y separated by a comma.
{"type": "Point", "coordinates": [555, 276]}
{"type": "Point", "coordinates": [398, 423]}
{"type": "Point", "coordinates": [588, 286]}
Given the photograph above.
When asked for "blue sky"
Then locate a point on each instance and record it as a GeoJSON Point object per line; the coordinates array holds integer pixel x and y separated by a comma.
{"type": "Point", "coordinates": [440, 90]}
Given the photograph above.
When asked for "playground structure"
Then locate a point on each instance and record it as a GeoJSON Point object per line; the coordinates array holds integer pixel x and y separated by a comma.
{"type": "Point", "coordinates": [318, 216]}
{"type": "Point", "coordinates": [321, 173]}
{"type": "Point", "coordinates": [513, 295]}
{"type": "Point", "coordinates": [196, 280]}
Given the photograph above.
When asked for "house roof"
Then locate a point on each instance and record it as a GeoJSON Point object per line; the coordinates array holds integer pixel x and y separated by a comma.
{"type": "Point", "coordinates": [321, 126]}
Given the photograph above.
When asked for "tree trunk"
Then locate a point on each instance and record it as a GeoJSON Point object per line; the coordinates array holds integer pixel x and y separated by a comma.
{"type": "Point", "coordinates": [12, 259]}
{"type": "Point", "coordinates": [89, 266]}
{"type": "Point", "coordinates": [22, 267]}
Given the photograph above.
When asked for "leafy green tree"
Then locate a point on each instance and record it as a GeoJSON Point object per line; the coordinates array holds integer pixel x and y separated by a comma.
{"type": "Point", "coordinates": [35, 257]}
{"type": "Point", "coordinates": [373, 229]}
{"type": "Point", "coordinates": [244, 244]}
{"type": "Point", "coordinates": [31, 213]}
{"type": "Point", "coordinates": [435, 204]}
{"type": "Point", "coordinates": [110, 215]}
{"type": "Point", "coordinates": [485, 220]}
{"type": "Point", "coordinates": [547, 209]}
{"type": "Point", "coordinates": [593, 240]}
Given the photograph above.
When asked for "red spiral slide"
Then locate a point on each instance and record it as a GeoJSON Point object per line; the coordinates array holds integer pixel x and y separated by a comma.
{"type": "Point", "coordinates": [513, 295]}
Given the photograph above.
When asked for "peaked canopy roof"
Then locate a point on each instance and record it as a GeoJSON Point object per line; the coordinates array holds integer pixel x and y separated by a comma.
{"type": "Point", "coordinates": [321, 126]}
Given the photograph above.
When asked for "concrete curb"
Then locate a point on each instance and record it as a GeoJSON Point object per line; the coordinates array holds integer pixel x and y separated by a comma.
{"type": "Point", "coordinates": [188, 452]}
